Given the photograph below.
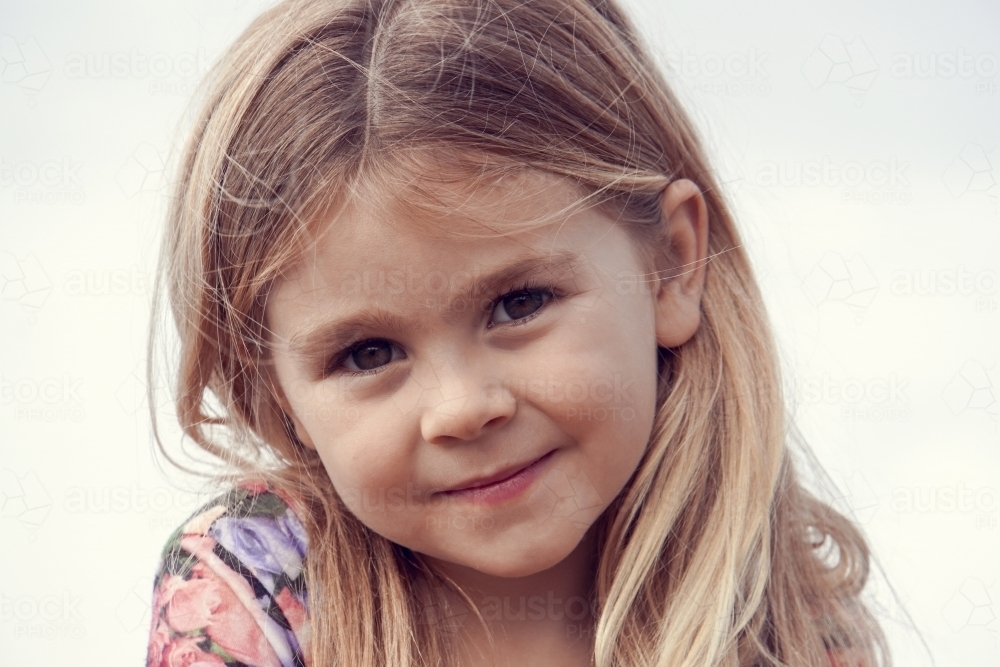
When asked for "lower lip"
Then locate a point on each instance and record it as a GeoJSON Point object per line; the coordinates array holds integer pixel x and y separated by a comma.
{"type": "Point", "coordinates": [504, 489]}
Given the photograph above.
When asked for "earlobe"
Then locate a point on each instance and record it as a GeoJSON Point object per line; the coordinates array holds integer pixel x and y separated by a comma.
{"type": "Point", "coordinates": [681, 284]}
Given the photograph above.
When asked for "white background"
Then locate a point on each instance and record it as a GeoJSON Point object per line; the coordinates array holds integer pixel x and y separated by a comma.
{"type": "Point", "coordinates": [858, 144]}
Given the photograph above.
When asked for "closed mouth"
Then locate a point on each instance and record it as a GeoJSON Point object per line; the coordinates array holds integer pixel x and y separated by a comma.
{"type": "Point", "coordinates": [500, 476]}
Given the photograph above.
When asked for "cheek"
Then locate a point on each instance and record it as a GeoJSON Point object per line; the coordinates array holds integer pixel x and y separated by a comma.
{"type": "Point", "coordinates": [362, 451]}
{"type": "Point", "coordinates": [604, 361]}
{"type": "Point", "coordinates": [376, 488]}
{"type": "Point", "coordinates": [615, 359]}
{"type": "Point", "coordinates": [372, 488]}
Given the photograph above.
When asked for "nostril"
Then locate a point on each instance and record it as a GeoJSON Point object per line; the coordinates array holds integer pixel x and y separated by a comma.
{"type": "Point", "coordinates": [496, 421]}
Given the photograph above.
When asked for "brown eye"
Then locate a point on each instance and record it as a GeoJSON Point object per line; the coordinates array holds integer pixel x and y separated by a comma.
{"type": "Point", "coordinates": [520, 304]}
{"type": "Point", "coordinates": [369, 355]}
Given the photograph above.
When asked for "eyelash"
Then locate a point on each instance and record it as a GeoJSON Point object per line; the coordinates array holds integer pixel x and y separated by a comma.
{"type": "Point", "coordinates": [335, 365]}
{"type": "Point", "coordinates": [526, 286]}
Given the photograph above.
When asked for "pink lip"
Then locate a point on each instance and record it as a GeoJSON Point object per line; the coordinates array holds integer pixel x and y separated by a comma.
{"type": "Point", "coordinates": [501, 486]}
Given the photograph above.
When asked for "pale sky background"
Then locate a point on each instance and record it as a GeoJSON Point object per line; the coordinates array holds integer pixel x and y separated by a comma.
{"type": "Point", "coordinates": [859, 146]}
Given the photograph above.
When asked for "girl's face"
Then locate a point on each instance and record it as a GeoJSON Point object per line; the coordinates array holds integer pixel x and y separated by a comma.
{"type": "Point", "coordinates": [421, 367]}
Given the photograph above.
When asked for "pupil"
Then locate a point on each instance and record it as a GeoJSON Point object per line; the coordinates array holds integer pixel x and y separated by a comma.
{"type": "Point", "coordinates": [522, 304]}
{"type": "Point", "coordinates": [372, 355]}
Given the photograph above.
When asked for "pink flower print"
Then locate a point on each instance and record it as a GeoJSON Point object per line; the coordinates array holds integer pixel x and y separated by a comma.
{"type": "Point", "coordinates": [192, 604]}
{"type": "Point", "coordinates": [158, 640]}
{"type": "Point", "coordinates": [185, 652]}
{"type": "Point", "coordinates": [297, 617]}
{"type": "Point", "coordinates": [229, 622]}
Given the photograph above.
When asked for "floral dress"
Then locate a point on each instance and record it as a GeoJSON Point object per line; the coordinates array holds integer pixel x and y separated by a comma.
{"type": "Point", "coordinates": [230, 587]}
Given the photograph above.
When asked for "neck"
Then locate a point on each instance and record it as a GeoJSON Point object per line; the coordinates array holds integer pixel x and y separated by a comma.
{"type": "Point", "coordinates": [544, 618]}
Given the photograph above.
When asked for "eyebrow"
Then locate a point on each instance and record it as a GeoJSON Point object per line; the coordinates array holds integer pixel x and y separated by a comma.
{"type": "Point", "coordinates": [316, 341]}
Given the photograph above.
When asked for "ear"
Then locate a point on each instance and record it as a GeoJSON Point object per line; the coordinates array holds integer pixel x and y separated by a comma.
{"type": "Point", "coordinates": [279, 395]}
{"type": "Point", "coordinates": [678, 292]}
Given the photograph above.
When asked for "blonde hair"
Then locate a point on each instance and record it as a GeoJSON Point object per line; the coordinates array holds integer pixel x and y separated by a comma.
{"type": "Point", "coordinates": [713, 553]}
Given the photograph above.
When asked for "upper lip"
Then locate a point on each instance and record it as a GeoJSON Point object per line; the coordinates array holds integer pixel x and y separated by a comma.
{"type": "Point", "coordinates": [498, 476]}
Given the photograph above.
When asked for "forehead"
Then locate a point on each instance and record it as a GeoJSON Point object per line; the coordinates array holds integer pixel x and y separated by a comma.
{"type": "Point", "coordinates": [454, 201]}
{"type": "Point", "coordinates": [476, 218]}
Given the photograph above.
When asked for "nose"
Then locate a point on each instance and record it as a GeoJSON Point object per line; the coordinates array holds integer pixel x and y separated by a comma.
{"type": "Point", "coordinates": [466, 403]}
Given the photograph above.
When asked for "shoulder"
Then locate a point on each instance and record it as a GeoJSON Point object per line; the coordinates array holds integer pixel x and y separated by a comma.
{"type": "Point", "coordinates": [230, 586]}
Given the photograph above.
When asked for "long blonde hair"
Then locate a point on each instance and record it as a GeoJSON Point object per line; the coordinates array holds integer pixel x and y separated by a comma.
{"type": "Point", "coordinates": [713, 553]}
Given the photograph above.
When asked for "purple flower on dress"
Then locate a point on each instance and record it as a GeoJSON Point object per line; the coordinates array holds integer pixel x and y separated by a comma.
{"type": "Point", "coordinates": [268, 545]}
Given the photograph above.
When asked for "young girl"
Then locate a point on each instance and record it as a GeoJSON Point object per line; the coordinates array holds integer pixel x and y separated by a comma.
{"type": "Point", "coordinates": [464, 314]}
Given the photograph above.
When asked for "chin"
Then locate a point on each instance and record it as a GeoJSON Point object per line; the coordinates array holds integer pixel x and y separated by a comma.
{"type": "Point", "coordinates": [512, 564]}
{"type": "Point", "coordinates": [513, 570]}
